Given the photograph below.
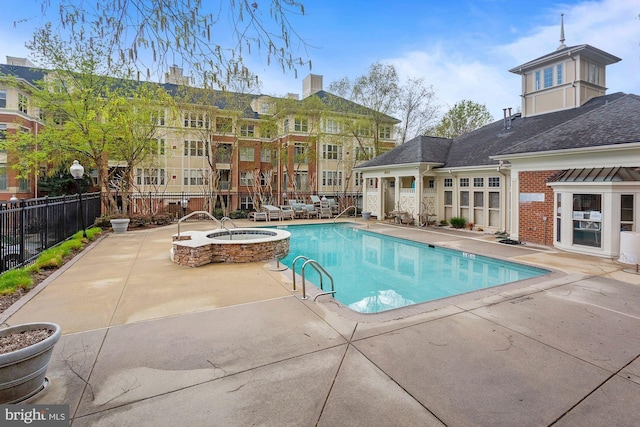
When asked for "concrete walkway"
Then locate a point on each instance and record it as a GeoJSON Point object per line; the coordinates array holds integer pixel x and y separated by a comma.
{"type": "Point", "coordinates": [148, 343]}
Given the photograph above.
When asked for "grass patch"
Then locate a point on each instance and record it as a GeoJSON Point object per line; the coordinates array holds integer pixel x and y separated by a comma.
{"type": "Point", "coordinates": [50, 259]}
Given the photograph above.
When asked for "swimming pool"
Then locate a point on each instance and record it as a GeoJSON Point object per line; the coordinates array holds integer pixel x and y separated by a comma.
{"type": "Point", "coordinates": [374, 273]}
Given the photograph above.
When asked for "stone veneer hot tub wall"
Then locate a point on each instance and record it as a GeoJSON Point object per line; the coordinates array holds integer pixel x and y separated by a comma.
{"type": "Point", "coordinates": [196, 248]}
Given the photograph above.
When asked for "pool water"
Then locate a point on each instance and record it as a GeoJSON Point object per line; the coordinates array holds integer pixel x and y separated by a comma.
{"type": "Point", "coordinates": [374, 272]}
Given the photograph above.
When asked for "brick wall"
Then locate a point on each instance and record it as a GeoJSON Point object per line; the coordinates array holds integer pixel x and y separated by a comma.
{"type": "Point", "coordinates": [532, 226]}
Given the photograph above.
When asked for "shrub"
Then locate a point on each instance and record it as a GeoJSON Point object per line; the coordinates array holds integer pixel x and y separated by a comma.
{"type": "Point", "coordinates": [458, 222]}
{"type": "Point", "coordinates": [444, 223]}
{"type": "Point", "coordinates": [238, 214]}
{"type": "Point", "coordinates": [161, 219]}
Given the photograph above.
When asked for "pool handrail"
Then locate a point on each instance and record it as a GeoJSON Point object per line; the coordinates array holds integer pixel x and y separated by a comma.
{"type": "Point", "coordinates": [316, 266]}
{"type": "Point", "coordinates": [226, 218]}
{"type": "Point", "coordinates": [355, 217]}
{"type": "Point", "coordinates": [201, 213]}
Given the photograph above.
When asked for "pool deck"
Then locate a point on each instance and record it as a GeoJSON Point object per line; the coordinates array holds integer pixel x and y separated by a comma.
{"type": "Point", "coordinates": [149, 343]}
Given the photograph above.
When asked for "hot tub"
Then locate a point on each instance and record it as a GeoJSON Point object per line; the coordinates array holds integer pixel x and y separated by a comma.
{"type": "Point", "coordinates": [236, 245]}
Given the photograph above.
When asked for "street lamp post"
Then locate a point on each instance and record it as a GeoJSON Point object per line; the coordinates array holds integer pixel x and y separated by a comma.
{"type": "Point", "coordinates": [77, 171]}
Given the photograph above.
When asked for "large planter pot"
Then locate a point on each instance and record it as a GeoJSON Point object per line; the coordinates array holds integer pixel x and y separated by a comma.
{"type": "Point", "coordinates": [22, 372]}
{"type": "Point", "coordinates": [120, 225]}
{"type": "Point", "coordinates": [366, 215]}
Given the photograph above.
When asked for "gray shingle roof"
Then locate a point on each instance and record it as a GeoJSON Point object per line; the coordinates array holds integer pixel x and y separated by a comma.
{"type": "Point", "coordinates": [423, 149]}
{"type": "Point", "coordinates": [600, 124]}
{"type": "Point", "coordinates": [615, 122]}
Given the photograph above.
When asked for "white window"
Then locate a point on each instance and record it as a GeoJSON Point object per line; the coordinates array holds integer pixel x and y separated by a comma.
{"type": "Point", "coordinates": [626, 212]}
{"type": "Point", "coordinates": [548, 77]}
{"type": "Point", "coordinates": [358, 179]}
{"type": "Point", "coordinates": [464, 182]}
{"type": "Point", "coordinates": [3, 131]}
{"type": "Point", "coordinates": [195, 120]}
{"type": "Point", "coordinates": [364, 153]}
{"type": "Point", "coordinates": [559, 74]}
{"type": "Point", "coordinates": [194, 149]}
{"type": "Point", "coordinates": [247, 130]}
{"type": "Point", "coordinates": [464, 198]}
{"type": "Point", "coordinates": [193, 177]}
{"type": "Point", "coordinates": [331, 152]}
{"type": "Point", "coordinates": [3, 99]}
{"type": "Point", "coordinates": [332, 126]}
{"type": "Point", "coordinates": [246, 202]}
{"type": "Point", "coordinates": [478, 182]}
{"type": "Point", "coordinates": [301, 125]}
{"type": "Point", "coordinates": [593, 73]}
{"type": "Point", "coordinates": [286, 125]}
{"type": "Point", "coordinates": [265, 155]}
{"type": "Point", "coordinates": [157, 118]}
{"type": "Point", "coordinates": [246, 178]}
{"type": "Point", "coordinates": [302, 180]}
{"type": "Point", "coordinates": [494, 181]}
{"type": "Point", "coordinates": [332, 178]}
{"type": "Point", "coordinates": [224, 124]}
{"type": "Point", "coordinates": [150, 176]}
{"type": "Point", "coordinates": [247, 154]}
{"type": "Point", "coordinates": [537, 80]}
{"type": "Point", "coordinates": [448, 182]}
{"type": "Point", "coordinates": [384, 132]}
{"type": "Point", "coordinates": [23, 101]}
{"type": "Point", "coordinates": [300, 154]}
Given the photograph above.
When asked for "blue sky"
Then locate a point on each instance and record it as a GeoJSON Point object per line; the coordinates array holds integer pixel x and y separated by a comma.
{"type": "Point", "coordinates": [464, 49]}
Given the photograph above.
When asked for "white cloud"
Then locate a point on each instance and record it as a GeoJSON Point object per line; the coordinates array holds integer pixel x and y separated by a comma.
{"type": "Point", "coordinates": [483, 77]}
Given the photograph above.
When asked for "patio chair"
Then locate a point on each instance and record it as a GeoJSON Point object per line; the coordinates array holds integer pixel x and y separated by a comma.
{"type": "Point", "coordinates": [310, 211]}
{"type": "Point", "coordinates": [298, 208]}
{"type": "Point", "coordinates": [315, 200]}
{"type": "Point", "coordinates": [286, 212]}
{"type": "Point", "coordinates": [273, 212]}
{"type": "Point", "coordinates": [407, 218]}
{"type": "Point", "coordinates": [325, 210]}
{"type": "Point", "coordinates": [334, 206]}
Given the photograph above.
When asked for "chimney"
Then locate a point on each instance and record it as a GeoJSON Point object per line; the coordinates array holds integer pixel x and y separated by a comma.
{"type": "Point", "coordinates": [311, 84]}
{"type": "Point", "coordinates": [504, 118]}
{"type": "Point", "coordinates": [509, 123]}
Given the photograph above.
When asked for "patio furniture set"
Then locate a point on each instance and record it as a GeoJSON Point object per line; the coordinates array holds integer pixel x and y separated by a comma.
{"type": "Point", "coordinates": [318, 208]}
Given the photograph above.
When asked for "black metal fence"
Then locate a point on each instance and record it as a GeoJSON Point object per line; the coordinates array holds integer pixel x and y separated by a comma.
{"type": "Point", "coordinates": [29, 226]}
{"type": "Point", "coordinates": [178, 204]}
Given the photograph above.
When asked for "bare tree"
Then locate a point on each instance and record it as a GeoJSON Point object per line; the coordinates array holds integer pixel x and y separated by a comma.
{"type": "Point", "coordinates": [416, 109]}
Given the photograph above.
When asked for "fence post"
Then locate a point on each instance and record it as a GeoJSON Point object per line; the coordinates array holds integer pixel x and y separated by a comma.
{"type": "Point", "coordinates": [23, 215]}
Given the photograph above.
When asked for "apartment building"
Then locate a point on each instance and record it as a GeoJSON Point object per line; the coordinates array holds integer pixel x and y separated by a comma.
{"type": "Point", "coordinates": [237, 147]}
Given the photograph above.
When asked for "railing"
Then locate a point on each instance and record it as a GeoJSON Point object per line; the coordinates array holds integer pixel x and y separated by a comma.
{"type": "Point", "coordinates": [28, 227]}
{"type": "Point", "coordinates": [319, 269]}
{"type": "Point", "coordinates": [355, 217]}
{"type": "Point", "coordinates": [186, 217]}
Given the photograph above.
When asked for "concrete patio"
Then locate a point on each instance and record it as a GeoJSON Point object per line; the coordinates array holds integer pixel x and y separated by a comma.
{"type": "Point", "coordinates": [147, 342]}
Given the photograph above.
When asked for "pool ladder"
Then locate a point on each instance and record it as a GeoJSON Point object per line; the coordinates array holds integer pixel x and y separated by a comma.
{"type": "Point", "coordinates": [316, 266]}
